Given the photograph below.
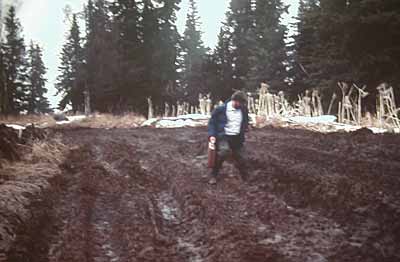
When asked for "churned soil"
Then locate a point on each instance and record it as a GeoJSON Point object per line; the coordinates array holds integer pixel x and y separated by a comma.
{"type": "Point", "coordinates": [142, 195]}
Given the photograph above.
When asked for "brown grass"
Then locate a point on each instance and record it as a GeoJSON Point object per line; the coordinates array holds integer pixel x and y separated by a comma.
{"type": "Point", "coordinates": [128, 120]}
{"type": "Point", "coordinates": [42, 160]}
{"type": "Point", "coordinates": [49, 151]}
{"type": "Point", "coordinates": [39, 120]}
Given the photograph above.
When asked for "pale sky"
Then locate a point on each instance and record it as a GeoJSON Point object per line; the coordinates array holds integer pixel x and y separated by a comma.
{"type": "Point", "coordinates": [43, 21]}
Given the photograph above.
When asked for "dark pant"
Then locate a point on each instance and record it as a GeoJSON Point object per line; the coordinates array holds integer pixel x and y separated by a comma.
{"type": "Point", "coordinates": [225, 146]}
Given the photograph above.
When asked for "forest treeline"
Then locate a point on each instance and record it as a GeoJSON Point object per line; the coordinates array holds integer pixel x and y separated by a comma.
{"type": "Point", "coordinates": [22, 72]}
{"type": "Point", "coordinates": [118, 53]}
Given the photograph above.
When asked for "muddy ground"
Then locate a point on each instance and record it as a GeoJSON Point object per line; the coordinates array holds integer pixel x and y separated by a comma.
{"type": "Point", "coordinates": [142, 195]}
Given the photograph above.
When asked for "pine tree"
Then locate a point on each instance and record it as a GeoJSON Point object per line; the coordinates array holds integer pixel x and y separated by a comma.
{"type": "Point", "coordinates": [372, 44]}
{"type": "Point", "coordinates": [15, 66]}
{"type": "Point", "coordinates": [127, 32]}
{"type": "Point", "coordinates": [224, 59]}
{"type": "Point", "coordinates": [3, 83]}
{"type": "Point", "coordinates": [69, 83]}
{"type": "Point", "coordinates": [241, 22]}
{"type": "Point", "coordinates": [160, 49]}
{"type": "Point", "coordinates": [269, 53]}
{"type": "Point", "coordinates": [303, 47]}
{"type": "Point", "coordinates": [251, 47]}
{"type": "Point", "coordinates": [319, 55]}
{"type": "Point", "coordinates": [194, 54]}
{"type": "Point", "coordinates": [151, 55]}
{"type": "Point", "coordinates": [210, 73]}
{"type": "Point", "coordinates": [101, 54]}
{"type": "Point", "coordinates": [37, 102]}
{"type": "Point", "coordinates": [167, 48]}
{"type": "Point", "coordinates": [355, 41]}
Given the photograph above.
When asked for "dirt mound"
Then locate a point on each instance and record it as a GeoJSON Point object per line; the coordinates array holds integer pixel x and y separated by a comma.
{"type": "Point", "coordinates": [362, 134]}
{"type": "Point", "coordinates": [10, 141]}
{"type": "Point", "coordinates": [32, 133]}
{"type": "Point", "coordinates": [8, 144]}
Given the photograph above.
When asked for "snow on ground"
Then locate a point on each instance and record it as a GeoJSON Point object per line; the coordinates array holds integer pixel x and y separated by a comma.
{"type": "Point", "coordinates": [71, 119]}
{"type": "Point", "coordinates": [16, 127]}
{"type": "Point", "coordinates": [325, 123]}
{"type": "Point", "coordinates": [190, 120]}
{"type": "Point", "coordinates": [178, 123]}
{"type": "Point", "coordinates": [150, 122]}
{"type": "Point", "coordinates": [328, 123]}
{"type": "Point", "coordinates": [313, 120]}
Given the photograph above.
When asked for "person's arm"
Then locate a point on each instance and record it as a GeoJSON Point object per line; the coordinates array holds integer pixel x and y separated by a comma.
{"type": "Point", "coordinates": [246, 120]}
{"type": "Point", "coordinates": [212, 124]}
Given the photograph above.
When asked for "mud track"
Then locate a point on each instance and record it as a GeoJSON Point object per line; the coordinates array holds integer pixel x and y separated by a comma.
{"type": "Point", "coordinates": [142, 195]}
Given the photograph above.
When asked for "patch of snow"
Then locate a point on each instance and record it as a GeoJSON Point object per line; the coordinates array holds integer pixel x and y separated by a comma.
{"type": "Point", "coordinates": [63, 122]}
{"type": "Point", "coordinates": [191, 249]}
{"type": "Point", "coordinates": [76, 118]}
{"type": "Point", "coordinates": [190, 120]}
{"type": "Point", "coordinates": [313, 120]}
{"type": "Point", "coordinates": [377, 130]}
{"type": "Point", "coordinates": [194, 117]}
{"type": "Point", "coordinates": [71, 119]}
{"type": "Point", "coordinates": [157, 4]}
{"type": "Point", "coordinates": [16, 127]}
{"type": "Point", "coordinates": [253, 118]}
{"type": "Point", "coordinates": [150, 122]}
{"type": "Point", "coordinates": [168, 208]}
{"type": "Point", "coordinates": [345, 127]}
{"type": "Point", "coordinates": [328, 123]}
{"type": "Point", "coordinates": [178, 123]}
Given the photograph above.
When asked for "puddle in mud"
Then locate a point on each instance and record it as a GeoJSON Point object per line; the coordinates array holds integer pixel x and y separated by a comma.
{"type": "Point", "coordinates": [168, 207]}
{"type": "Point", "coordinates": [104, 230]}
{"type": "Point", "coordinates": [191, 249]}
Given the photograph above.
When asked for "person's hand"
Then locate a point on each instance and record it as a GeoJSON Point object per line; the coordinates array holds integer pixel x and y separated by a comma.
{"type": "Point", "coordinates": [212, 139]}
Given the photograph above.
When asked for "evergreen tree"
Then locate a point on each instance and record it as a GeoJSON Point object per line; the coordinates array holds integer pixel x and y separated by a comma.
{"type": "Point", "coordinates": [129, 20]}
{"type": "Point", "coordinates": [151, 55]}
{"type": "Point", "coordinates": [269, 53]}
{"type": "Point", "coordinates": [160, 50]}
{"type": "Point", "coordinates": [372, 44]}
{"type": "Point", "coordinates": [37, 102]}
{"type": "Point", "coordinates": [166, 52]}
{"type": "Point", "coordinates": [304, 46]}
{"type": "Point", "coordinates": [320, 60]}
{"type": "Point", "coordinates": [251, 47]}
{"type": "Point", "coordinates": [3, 83]}
{"type": "Point", "coordinates": [224, 60]}
{"type": "Point", "coordinates": [241, 23]}
{"type": "Point", "coordinates": [210, 75]}
{"type": "Point", "coordinates": [354, 41]}
{"type": "Point", "coordinates": [99, 70]}
{"type": "Point", "coordinates": [69, 83]}
{"type": "Point", "coordinates": [194, 54]}
{"type": "Point", "coordinates": [15, 66]}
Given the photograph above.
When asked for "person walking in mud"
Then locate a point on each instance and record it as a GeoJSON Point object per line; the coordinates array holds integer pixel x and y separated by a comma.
{"type": "Point", "coordinates": [227, 128]}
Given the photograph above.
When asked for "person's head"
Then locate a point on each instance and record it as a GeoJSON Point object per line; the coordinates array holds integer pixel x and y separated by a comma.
{"type": "Point", "coordinates": [239, 99]}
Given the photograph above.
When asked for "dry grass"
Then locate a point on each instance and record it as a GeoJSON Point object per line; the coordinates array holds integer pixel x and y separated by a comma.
{"type": "Point", "coordinates": [129, 120]}
{"type": "Point", "coordinates": [49, 151]}
{"type": "Point", "coordinates": [23, 120]}
{"type": "Point", "coordinates": [42, 160]}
